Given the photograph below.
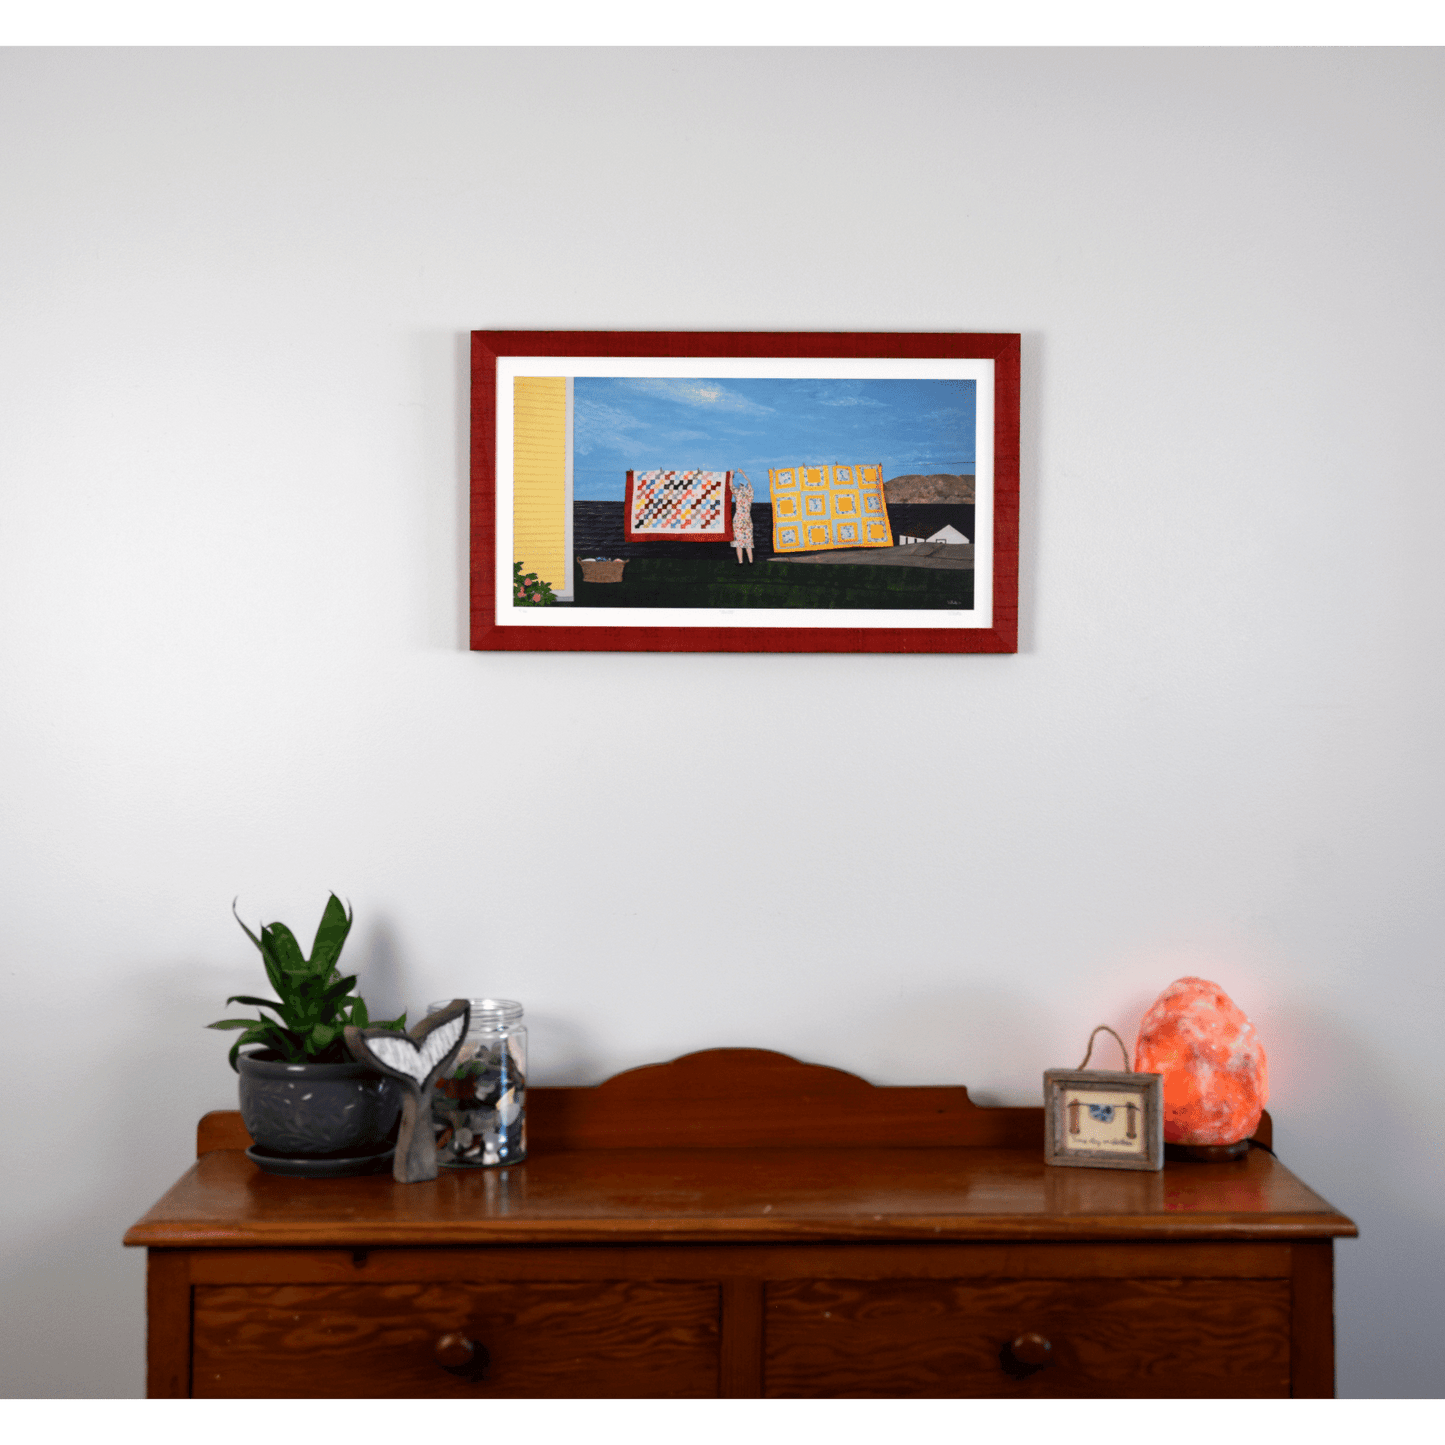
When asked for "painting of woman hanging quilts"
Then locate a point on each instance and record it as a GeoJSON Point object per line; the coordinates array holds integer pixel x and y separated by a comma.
{"type": "Point", "coordinates": [742, 502]}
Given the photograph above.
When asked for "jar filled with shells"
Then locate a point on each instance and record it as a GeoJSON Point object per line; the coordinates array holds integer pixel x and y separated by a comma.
{"type": "Point", "coordinates": [479, 1105]}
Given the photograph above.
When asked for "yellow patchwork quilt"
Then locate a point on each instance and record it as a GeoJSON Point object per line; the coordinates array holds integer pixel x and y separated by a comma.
{"type": "Point", "coordinates": [817, 509]}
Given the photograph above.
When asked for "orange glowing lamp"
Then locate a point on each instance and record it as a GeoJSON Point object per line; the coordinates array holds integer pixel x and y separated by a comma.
{"type": "Point", "coordinates": [1216, 1077]}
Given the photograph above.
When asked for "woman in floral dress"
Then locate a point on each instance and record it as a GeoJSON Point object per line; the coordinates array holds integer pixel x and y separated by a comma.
{"type": "Point", "coordinates": [743, 517]}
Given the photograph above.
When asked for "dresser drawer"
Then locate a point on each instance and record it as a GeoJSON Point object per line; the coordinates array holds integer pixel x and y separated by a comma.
{"type": "Point", "coordinates": [554, 1338]}
{"type": "Point", "coordinates": [1108, 1337]}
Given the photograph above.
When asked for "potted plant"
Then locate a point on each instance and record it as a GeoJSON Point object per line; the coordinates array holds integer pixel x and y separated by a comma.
{"type": "Point", "coordinates": [302, 1094]}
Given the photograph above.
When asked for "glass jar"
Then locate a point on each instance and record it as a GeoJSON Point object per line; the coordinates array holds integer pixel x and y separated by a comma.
{"type": "Point", "coordinates": [479, 1106]}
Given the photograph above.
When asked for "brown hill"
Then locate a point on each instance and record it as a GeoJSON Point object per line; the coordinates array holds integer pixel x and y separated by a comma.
{"type": "Point", "coordinates": [937, 487]}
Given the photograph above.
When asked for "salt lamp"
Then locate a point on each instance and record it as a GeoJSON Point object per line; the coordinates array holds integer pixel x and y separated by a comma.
{"type": "Point", "coordinates": [1216, 1079]}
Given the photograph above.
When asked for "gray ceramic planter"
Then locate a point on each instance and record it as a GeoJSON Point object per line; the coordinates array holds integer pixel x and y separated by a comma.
{"type": "Point", "coordinates": [299, 1109]}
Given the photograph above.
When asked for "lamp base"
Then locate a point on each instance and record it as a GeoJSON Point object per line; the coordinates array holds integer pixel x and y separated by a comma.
{"type": "Point", "coordinates": [1205, 1153]}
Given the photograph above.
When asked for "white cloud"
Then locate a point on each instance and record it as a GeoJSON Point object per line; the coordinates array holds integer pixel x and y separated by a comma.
{"type": "Point", "coordinates": [843, 393]}
{"type": "Point", "coordinates": [604, 426]}
{"type": "Point", "coordinates": [708, 394]}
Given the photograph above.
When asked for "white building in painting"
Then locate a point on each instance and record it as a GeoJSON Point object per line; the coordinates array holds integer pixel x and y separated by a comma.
{"type": "Point", "coordinates": [950, 535]}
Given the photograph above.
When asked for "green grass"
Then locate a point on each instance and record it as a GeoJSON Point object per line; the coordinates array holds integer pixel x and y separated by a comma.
{"type": "Point", "coordinates": [672, 582]}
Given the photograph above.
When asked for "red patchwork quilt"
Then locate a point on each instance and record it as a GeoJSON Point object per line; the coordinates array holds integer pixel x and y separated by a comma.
{"type": "Point", "coordinates": [678, 507]}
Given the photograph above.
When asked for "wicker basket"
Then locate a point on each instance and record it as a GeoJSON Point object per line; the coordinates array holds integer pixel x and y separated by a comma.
{"type": "Point", "coordinates": [595, 571]}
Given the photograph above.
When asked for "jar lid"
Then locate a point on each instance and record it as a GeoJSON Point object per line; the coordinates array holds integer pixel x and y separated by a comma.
{"type": "Point", "coordinates": [487, 1013]}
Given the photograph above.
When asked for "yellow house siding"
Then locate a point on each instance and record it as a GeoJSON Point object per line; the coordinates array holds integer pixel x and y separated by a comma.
{"type": "Point", "coordinates": [539, 478]}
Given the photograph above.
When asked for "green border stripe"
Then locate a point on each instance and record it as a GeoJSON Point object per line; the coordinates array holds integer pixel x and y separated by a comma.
{"type": "Point", "coordinates": [776, 22]}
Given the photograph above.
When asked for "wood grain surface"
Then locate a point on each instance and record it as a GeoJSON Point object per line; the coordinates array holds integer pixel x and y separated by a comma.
{"type": "Point", "coordinates": [704, 1195]}
{"type": "Point", "coordinates": [552, 1338]}
{"type": "Point", "coordinates": [758, 1099]}
{"type": "Point", "coordinates": [946, 1291]}
{"type": "Point", "coordinates": [1163, 1337]}
{"type": "Point", "coordinates": [711, 1226]}
{"type": "Point", "coordinates": [1148, 1260]}
{"type": "Point", "coordinates": [742, 1337]}
{"type": "Point", "coordinates": [168, 1320]}
{"type": "Point", "coordinates": [1312, 1319]}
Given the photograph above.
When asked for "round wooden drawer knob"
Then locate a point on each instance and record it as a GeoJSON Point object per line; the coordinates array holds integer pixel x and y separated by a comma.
{"type": "Point", "coordinates": [454, 1351]}
{"type": "Point", "coordinates": [1032, 1349]}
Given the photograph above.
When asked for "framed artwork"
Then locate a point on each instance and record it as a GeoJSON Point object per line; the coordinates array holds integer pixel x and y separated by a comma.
{"type": "Point", "coordinates": [1103, 1119]}
{"type": "Point", "coordinates": [744, 491]}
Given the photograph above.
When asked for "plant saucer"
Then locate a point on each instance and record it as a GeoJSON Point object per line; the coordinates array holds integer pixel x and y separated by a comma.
{"type": "Point", "coordinates": [374, 1159]}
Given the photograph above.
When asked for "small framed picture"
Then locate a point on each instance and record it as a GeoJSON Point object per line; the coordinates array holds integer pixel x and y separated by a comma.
{"type": "Point", "coordinates": [1103, 1119]}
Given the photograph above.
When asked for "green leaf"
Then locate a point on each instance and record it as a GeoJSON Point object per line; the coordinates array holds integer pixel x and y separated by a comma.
{"type": "Point", "coordinates": [272, 972]}
{"type": "Point", "coordinates": [259, 1035]}
{"type": "Point", "coordinates": [286, 1042]}
{"type": "Point", "coordinates": [287, 1012]}
{"type": "Point", "coordinates": [337, 991]}
{"type": "Point", "coordinates": [285, 949]}
{"type": "Point", "coordinates": [259, 1002]}
{"type": "Point", "coordinates": [309, 988]}
{"type": "Point", "coordinates": [397, 1023]}
{"type": "Point", "coordinates": [314, 1001]}
{"type": "Point", "coordinates": [242, 922]}
{"type": "Point", "coordinates": [330, 935]}
{"type": "Point", "coordinates": [302, 1019]}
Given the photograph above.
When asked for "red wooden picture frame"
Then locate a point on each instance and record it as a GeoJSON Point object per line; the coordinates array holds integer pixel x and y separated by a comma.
{"type": "Point", "coordinates": [1000, 348]}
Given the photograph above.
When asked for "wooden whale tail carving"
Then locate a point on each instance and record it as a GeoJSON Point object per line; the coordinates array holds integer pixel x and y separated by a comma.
{"type": "Point", "coordinates": [416, 1059]}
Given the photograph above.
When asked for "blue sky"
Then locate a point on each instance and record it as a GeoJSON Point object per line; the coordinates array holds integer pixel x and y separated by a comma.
{"type": "Point", "coordinates": [750, 425]}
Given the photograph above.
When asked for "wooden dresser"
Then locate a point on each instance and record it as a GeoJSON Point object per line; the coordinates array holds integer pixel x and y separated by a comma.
{"type": "Point", "coordinates": [739, 1223]}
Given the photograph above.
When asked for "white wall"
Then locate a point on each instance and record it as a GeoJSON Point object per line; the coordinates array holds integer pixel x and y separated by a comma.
{"type": "Point", "coordinates": [236, 288]}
